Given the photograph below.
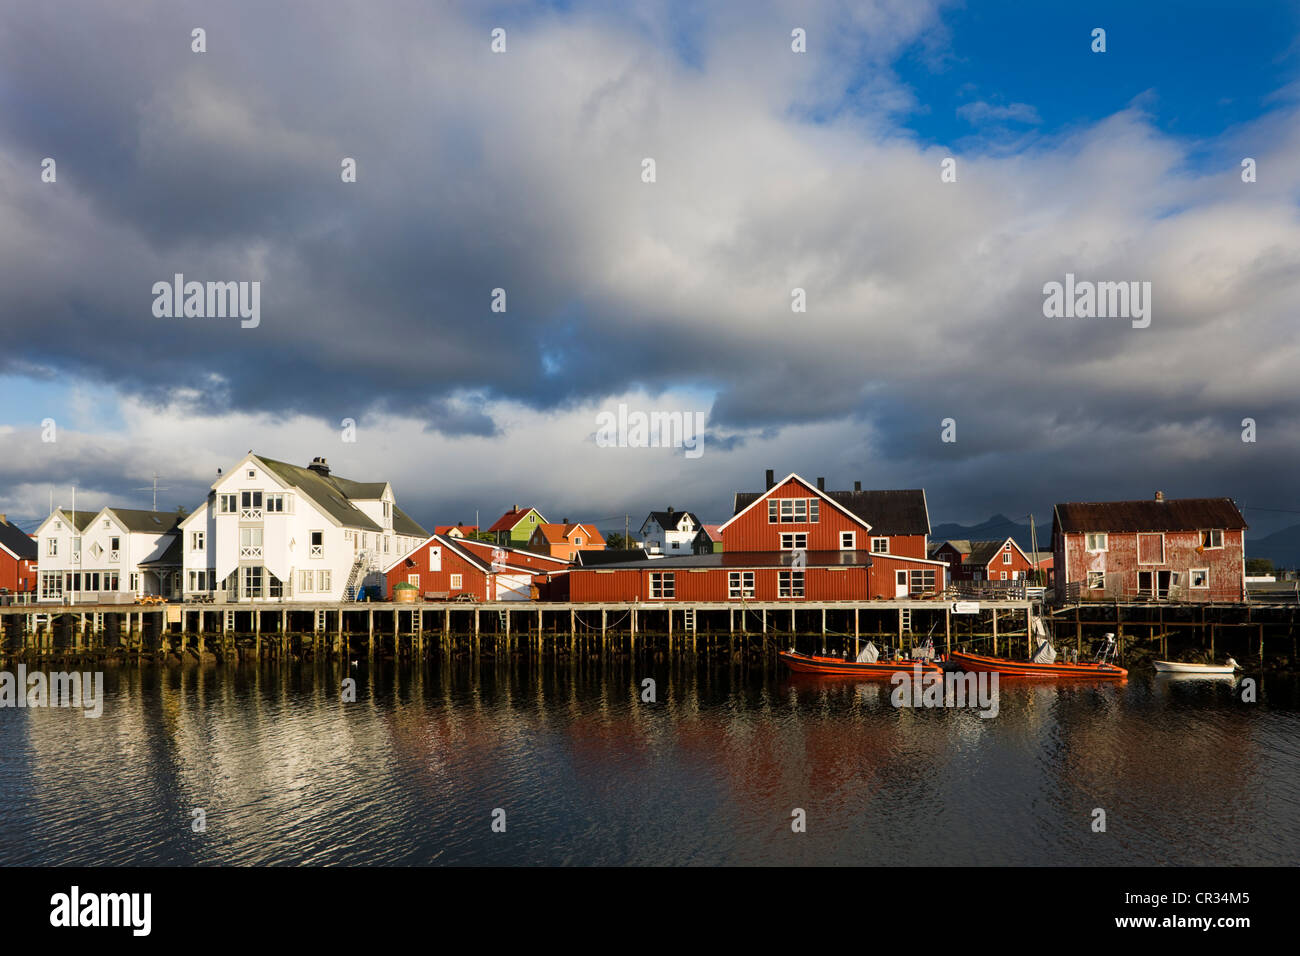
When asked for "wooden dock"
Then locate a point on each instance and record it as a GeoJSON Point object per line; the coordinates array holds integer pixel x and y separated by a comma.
{"type": "Point", "coordinates": [418, 629]}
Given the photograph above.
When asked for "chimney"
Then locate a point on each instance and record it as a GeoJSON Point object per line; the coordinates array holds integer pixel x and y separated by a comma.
{"type": "Point", "coordinates": [771, 478]}
{"type": "Point", "coordinates": [1160, 496]}
{"type": "Point", "coordinates": [320, 466]}
{"type": "Point", "coordinates": [670, 511]}
{"type": "Point", "coordinates": [857, 486]}
{"type": "Point", "coordinates": [821, 484]}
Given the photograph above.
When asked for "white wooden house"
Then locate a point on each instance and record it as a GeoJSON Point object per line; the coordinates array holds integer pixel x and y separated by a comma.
{"type": "Point", "coordinates": [669, 531]}
{"type": "Point", "coordinates": [111, 555]}
{"type": "Point", "coordinates": [271, 531]}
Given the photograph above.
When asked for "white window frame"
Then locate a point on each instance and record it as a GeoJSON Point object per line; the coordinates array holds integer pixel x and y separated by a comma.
{"type": "Point", "coordinates": [1089, 542]}
{"type": "Point", "coordinates": [880, 546]}
{"type": "Point", "coordinates": [324, 581]}
{"type": "Point", "coordinates": [790, 584]}
{"type": "Point", "coordinates": [52, 547]}
{"type": "Point", "coordinates": [306, 582]}
{"type": "Point", "coordinates": [848, 540]}
{"type": "Point", "coordinates": [740, 584]}
{"type": "Point", "coordinates": [413, 579]}
{"type": "Point", "coordinates": [793, 537]}
{"type": "Point", "coordinates": [251, 550]}
{"type": "Point", "coordinates": [1100, 577]}
{"type": "Point", "coordinates": [663, 585]}
{"type": "Point", "coordinates": [196, 541]}
{"type": "Point", "coordinates": [457, 582]}
{"type": "Point", "coordinates": [1212, 547]}
{"type": "Point", "coordinates": [316, 551]}
{"type": "Point", "coordinates": [1191, 579]}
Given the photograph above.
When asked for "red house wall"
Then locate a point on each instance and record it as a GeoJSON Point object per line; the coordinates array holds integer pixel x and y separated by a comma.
{"type": "Point", "coordinates": [17, 574]}
{"type": "Point", "coordinates": [473, 581]}
{"type": "Point", "coordinates": [751, 531]}
{"type": "Point", "coordinates": [1072, 562]}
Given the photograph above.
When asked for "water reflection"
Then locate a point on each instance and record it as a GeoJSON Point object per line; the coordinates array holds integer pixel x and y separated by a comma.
{"type": "Point", "coordinates": [287, 772]}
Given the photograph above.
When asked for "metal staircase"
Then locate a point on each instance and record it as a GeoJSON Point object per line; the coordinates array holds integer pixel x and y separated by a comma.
{"type": "Point", "coordinates": [358, 570]}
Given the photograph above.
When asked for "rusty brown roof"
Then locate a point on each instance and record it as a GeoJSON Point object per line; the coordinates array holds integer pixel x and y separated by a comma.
{"type": "Point", "coordinates": [1172, 514]}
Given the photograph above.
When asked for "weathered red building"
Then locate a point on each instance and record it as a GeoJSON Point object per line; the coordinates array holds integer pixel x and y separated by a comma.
{"type": "Point", "coordinates": [17, 559]}
{"type": "Point", "coordinates": [445, 568]}
{"type": "Point", "coordinates": [794, 541]}
{"type": "Point", "coordinates": [1184, 549]}
{"type": "Point", "coordinates": [984, 561]}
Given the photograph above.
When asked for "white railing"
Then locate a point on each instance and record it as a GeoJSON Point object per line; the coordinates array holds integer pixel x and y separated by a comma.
{"type": "Point", "coordinates": [318, 550]}
{"type": "Point", "coordinates": [114, 557]}
{"type": "Point", "coordinates": [250, 514]}
{"type": "Point", "coordinates": [250, 552]}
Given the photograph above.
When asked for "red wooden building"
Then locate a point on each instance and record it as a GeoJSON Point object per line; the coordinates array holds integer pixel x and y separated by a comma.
{"type": "Point", "coordinates": [17, 559]}
{"type": "Point", "coordinates": [794, 541]}
{"type": "Point", "coordinates": [444, 568]}
{"type": "Point", "coordinates": [984, 561]}
{"type": "Point", "coordinates": [1185, 549]}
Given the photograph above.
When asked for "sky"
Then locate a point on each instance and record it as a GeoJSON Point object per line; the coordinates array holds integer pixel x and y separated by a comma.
{"type": "Point", "coordinates": [524, 170]}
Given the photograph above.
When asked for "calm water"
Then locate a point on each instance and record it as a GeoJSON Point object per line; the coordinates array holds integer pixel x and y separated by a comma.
{"type": "Point", "coordinates": [588, 774]}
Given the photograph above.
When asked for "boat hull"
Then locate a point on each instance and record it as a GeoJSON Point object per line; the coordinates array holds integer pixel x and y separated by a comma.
{"type": "Point", "coordinates": [1008, 668]}
{"type": "Point", "coordinates": [1178, 667]}
{"type": "Point", "coordinates": [813, 664]}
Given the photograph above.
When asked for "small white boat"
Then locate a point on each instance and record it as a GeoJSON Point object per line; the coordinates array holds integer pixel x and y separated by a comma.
{"type": "Point", "coordinates": [1180, 667]}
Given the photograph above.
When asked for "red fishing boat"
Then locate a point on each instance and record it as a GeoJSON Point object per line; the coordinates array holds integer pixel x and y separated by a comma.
{"type": "Point", "coordinates": [1008, 668]}
{"type": "Point", "coordinates": [1044, 663]}
{"type": "Point", "coordinates": [816, 664]}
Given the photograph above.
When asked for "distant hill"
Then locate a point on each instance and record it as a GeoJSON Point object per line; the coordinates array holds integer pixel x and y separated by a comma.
{"type": "Point", "coordinates": [1280, 547]}
{"type": "Point", "coordinates": [995, 528]}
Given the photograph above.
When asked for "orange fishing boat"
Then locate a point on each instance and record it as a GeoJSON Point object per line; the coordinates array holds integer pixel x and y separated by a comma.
{"type": "Point", "coordinates": [1007, 668]}
{"type": "Point", "coordinates": [816, 664]}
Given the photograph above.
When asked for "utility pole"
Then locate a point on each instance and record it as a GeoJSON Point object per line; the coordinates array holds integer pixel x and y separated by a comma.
{"type": "Point", "coordinates": [627, 530]}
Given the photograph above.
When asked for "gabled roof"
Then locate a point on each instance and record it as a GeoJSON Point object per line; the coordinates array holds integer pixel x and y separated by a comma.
{"type": "Point", "coordinates": [146, 522]}
{"type": "Point", "coordinates": [82, 518]}
{"type": "Point", "coordinates": [334, 495]}
{"type": "Point", "coordinates": [961, 545]}
{"type": "Point", "coordinates": [982, 552]}
{"type": "Point", "coordinates": [668, 520]}
{"type": "Point", "coordinates": [556, 533]}
{"type": "Point", "coordinates": [1171, 514]}
{"type": "Point", "coordinates": [512, 517]}
{"type": "Point", "coordinates": [886, 512]}
{"type": "Point", "coordinates": [711, 531]}
{"type": "Point", "coordinates": [479, 554]}
{"type": "Point", "coordinates": [465, 529]}
{"type": "Point", "coordinates": [17, 542]}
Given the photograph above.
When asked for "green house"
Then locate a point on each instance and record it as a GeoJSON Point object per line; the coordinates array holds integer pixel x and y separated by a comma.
{"type": "Point", "coordinates": [516, 526]}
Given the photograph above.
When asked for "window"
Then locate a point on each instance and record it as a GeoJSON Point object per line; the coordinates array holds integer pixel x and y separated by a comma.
{"type": "Point", "coordinates": [250, 505]}
{"type": "Point", "coordinates": [577, 540]}
{"type": "Point", "coordinates": [250, 542]}
{"type": "Point", "coordinates": [1095, 542]}
{"type": "Point", "coordinates": [1199, 579]}
{"type": "Point", "coordinates": [325, 581]}
{"type": "Point", "coordinates": [51, 584]}
{"type": "Point", "coordinates": [1096, 580]}
{"type": "Point", "coordinates": [923, 581]}
{"type": "Point", "coordinates": [275, 504]}
{"type": "Point", "coordinates": [1212, 539]}
{"type": "Point", "coordinates": [740, 584]}
{"type": "Point", "coordinates": [789, 584]}
{"type": "Point", "coordinates": [306, 582]}
{"type": "Point", "coordinates": [317, 549]}
{"type": "Point", "coordinates": [532, 519]}
{"type": "Point", "coordinates": [880, 546]}
{"type": "Point", "coordinates": [275, 589]}
{"type": "Point", "coordinates": [794, 510]}
{"type": "Point", "coordinates": [135, 582]}
{"type": "Point", "coordinates": [773, 511]}
{"type": "Point", "coordinates": [1004, 575]}
{"type": "Point", "coordinates": [413, 579]}
{"type": "Point", "coordinates": [52, 546]}
{"type": "Point", "coordinates": [251, 473]}
{"type": "Point", "coordinates": [662, 584]}
{"type": "Point", "coordinates": [196, 541]}
{"type": "Point", "coordinates": [253, 582]}
{"type": "Point", "coordinates": [848, 540]}
{"type": "Point", "coordinates": [386, 540]}
{"type": "Point", "coordinates": [794, 541]}
{"type": "Point", "coordinates": [227, 504]}
{"type": "Point", "coordinates": [457, 582]}
{"type": "Point", "coordinates": [387, 506]}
